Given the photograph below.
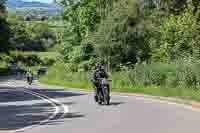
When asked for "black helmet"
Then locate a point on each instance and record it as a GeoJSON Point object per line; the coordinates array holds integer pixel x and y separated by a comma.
{"type": "Point", "coordinates": [97, 65]}
{"type": "Point", "coordinates": [102, 67]}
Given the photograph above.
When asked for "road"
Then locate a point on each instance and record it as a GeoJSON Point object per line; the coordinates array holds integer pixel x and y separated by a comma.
{"type": "Point", "coordinates": [38, 109]}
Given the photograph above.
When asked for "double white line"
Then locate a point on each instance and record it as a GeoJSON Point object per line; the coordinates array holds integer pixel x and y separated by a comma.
{"type": "Point", "coordinates": [58, 106]}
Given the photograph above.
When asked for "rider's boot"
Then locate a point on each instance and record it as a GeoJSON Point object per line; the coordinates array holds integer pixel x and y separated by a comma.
{"type": "Point", "coordinates": [96, 98]}
{"type": "Point", "coordinates": [95, 95]}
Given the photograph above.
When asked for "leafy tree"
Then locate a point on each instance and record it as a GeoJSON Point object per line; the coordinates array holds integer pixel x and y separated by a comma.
{"type": "Point", "coordinates": [120, 38]}
{"type": "Point", "coordinates": [178, 37]}
{"type": "Point", "coordinates": [82, 16]}
{"type": "Point", "coordinates": [123, 32]}
{"type": "Point", "coordinates": [31, 36]}
{"type": "Point", "coordinates": [4, 28]}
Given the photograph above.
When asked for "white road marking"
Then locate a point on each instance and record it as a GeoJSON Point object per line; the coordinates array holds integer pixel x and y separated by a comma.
{"type": "Point", "coordinates": [66, 109]}
{"type": "Point", "coordinates": [52, 101]}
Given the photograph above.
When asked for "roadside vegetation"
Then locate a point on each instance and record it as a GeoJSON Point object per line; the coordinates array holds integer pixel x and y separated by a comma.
{"type": "Point", "coordinates": [26, 44]}
{"type": "Point", "coordinates": [3, 69]}
{"type": "Point", "coordinates": [149, 47]}
{"type": "Point", "coordinates": [26, 60]}
{"type": "Point", "coordinates": [168, 80]}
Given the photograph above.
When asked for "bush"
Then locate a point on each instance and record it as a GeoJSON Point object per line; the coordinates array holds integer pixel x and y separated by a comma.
{"type": "Point", "coordinates": [87, 65]}
{"type": "Point", "coordinates": [27, 59]}
{"type": "Point", "coordinates": [3, 69]}
{"type": "Point", "coordinates": [162, 74]}
{"type": "Point", "coordinates": [48, 61]}
{"type": "Point", "coordinates": [32, 58]}
{"type": "Point", "coordinates": [174, 36]}
{"type": "Point", "coordinates": [71, 67]}
{"type": "Point", "coordinates": [67, 75]}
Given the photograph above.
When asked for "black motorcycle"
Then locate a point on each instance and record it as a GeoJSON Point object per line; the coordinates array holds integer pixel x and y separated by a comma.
{"type": "Point", "coordinates": [30, 80]}
{"type": "Point", "coordinates": [103, 95]}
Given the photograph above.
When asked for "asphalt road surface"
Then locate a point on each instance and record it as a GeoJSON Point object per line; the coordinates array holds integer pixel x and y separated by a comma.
{"type": "Point", "coordinates": [38, 109]}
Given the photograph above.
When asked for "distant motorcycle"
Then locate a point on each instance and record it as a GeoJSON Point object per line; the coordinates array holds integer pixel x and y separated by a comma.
{"type": "Point", "coordinates": [29, 76]}
{"type": "Point", "coordinates": [103, 95]}
{"type": "Point", "coordinates": [30, 80]}
{"type": "Point", "coordinates": [42, 70]}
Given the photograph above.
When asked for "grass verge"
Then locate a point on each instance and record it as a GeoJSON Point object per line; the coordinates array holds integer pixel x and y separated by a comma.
{"type": "Point", "coordinates": [120, 83]}
{"type": "Point", "coordinates": [3, 69]}
{"type": "Point", "coordinates": [179, 92]}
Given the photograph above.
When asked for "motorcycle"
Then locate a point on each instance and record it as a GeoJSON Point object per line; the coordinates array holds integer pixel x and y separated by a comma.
{"type": "Point", "coordinates": [29, 80]}
{"type": "Point", "coordinates": [103, 95]}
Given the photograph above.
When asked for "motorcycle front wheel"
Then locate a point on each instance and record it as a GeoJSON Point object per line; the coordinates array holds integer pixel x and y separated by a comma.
{"type": "Point", "coordinates": [106, 95]}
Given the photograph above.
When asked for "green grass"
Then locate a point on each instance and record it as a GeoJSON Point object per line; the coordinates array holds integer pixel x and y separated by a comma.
{"type": "Point", "coordinates": [3, 69]}
{"type": "Point", "coordinates": [3, 66]}
{"type": "Point", "coordinates": [179, 92]}
{"type": "Point", "coordinates": [59, 75]}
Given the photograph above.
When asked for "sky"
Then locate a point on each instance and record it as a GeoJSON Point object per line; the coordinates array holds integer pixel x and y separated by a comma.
{"type": "Point", "coordinates": [46, 1]}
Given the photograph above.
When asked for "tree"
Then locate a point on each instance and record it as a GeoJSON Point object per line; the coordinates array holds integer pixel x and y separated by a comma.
{"type": "Point", "coordinates": [176, 37]}
{"type": "Point", "coordinates": [85, 15]}
{"type": "Point", "coordinates": [4, 28]}
{"type": "Point", "coordinates": [31, 36]}
{"type": "Point", "coordinates": [120, 37]}
{"type": "Point", "coordinates": [2, 9]}
{"type": "Point", "coordinates": [82, 16]}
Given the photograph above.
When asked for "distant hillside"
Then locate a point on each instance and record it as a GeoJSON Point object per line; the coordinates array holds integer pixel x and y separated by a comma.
{"type": "Point", "coordinates": [23, 7]}
{"type": "Point", "coordinates": [22, 4]}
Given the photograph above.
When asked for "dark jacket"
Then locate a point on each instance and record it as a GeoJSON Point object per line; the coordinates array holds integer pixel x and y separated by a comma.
{"type": "Point", "coordinates": [98, 74]}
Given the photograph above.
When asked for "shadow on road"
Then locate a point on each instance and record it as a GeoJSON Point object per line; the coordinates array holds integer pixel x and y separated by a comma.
{"type": "Point", "coordinates": [16, 77]}
{"type": "Point", "coordinates": [16, 117]}
{"type": "Point", "coordinates": [10, 94]}
{"type": "Point", "coordinates": [9, 77]}
{"type": "Point", "coordinates": [57, 93]}
{"type": "Point", "coordinates": [116, 103]}
{"type": "Point", "coordinates": [19, 109]}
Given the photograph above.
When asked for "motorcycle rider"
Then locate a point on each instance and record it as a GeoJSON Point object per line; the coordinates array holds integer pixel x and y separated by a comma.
{"type": "Point", "coordinates": [98, 74]}
{"type": "Point", "coordinates": [29, 76]}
